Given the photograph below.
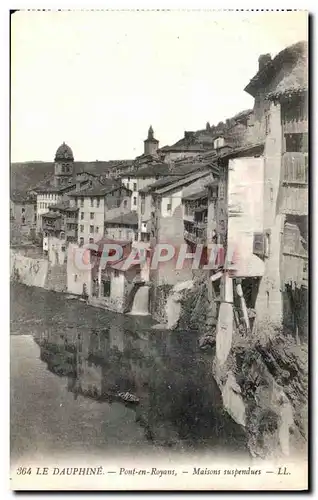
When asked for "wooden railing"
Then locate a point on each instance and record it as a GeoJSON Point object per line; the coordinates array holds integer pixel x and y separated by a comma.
{"type": "Point", "coordinates": [197, 234]}
{"type": "Point", "coordinates": [295, 126]}
{"type": "Point", "coordinates": [295, 268]}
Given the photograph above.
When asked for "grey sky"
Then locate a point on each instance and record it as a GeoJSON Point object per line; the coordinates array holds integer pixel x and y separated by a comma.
{"type": "Point", "coordinates": [97, 80]}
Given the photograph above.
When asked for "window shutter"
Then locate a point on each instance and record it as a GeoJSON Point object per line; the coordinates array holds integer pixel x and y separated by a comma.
{"type": "Point", "coordinates": [259, 244]}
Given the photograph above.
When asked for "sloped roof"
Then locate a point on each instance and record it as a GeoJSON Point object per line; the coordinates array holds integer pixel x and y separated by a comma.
{"type": "Point", "coordinates": [51, 215]}
{"type": "Point", "coordinates": [121, 265]}
{"type": "Point", "coordinates": [48, 186]}
{"type": "Point", "coordinates": [183, 181]}
{"type": "Point", "coordinates": [159, 183]}
{"type": "Point", "coordinates": [150, 170]}
{"type": "Point", "coordinates": [294, 81]}
{"type": "Point", "coordinates": [203, 193]}
{"type": "Point", "coordinates": [267, 72]}
{"type": "Point", "coordinates": [63, 206]}
{"type": "Point", "coordinates": [98, 189]}
{"type": "Point", "coordinates": [128, 219]}
{"type": "Point", "coordinates": [26, 175]}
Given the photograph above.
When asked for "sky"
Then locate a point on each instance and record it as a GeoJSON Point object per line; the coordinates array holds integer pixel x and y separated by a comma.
{"type": "Point", "coordinates": [98, 79]}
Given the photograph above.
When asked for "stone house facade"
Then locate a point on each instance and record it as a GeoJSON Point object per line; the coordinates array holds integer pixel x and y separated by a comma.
{"type": "Point", "coordinates": [277, 135]}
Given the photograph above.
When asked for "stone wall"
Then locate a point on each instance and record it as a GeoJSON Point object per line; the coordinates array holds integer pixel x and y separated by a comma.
{"type": "Point", "coordinates": [56, 278]}
{"type": "Point", "coordinates": [28, 270]}
{"type": "Point", "coordinates": [37, 271]}
{"type": "Point", "coordinates": [158, 300]}
{"type": "Point", "coordinates": [270, 301]}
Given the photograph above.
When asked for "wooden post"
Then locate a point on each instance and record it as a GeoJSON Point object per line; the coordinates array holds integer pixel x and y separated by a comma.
{"type": "Point", "coordinates": [243, 307]}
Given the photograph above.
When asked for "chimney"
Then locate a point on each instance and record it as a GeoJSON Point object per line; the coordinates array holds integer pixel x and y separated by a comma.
{"type": "Point", "coordinates": [263, 60]}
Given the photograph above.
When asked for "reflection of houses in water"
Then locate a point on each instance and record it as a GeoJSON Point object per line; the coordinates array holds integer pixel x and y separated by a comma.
{"type": "Point", "coordinates": [162, 371]}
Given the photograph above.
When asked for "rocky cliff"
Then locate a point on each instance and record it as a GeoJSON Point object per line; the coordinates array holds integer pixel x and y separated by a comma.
{"type": "Point", "coordinates": [263, 379]}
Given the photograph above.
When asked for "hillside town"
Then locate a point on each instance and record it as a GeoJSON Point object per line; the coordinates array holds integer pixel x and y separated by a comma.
{"type": "Point", "coordinates": [233, 195]}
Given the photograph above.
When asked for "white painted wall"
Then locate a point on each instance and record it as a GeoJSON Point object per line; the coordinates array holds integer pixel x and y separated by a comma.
{"type": "Point", "coordinates": [175, 200]}
{"type": "Point", "coordinates": [43, 202]}
{"type": "Point", "coordinates": [84, 225]}
{"type": "Point", "coordinates": [218, 143]}
{"type": "Point", "coordinates": [117, 285]}
{"type": "Point", "coordinates": [76, 276]}
{"type": "Point", "coordinates": [246, 212]}
{"type": "Point", "coordinates": [138, 182]}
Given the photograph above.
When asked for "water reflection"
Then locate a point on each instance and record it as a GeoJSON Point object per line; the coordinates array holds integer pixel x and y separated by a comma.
{"type": "Point", "coordinates": [161, 374]}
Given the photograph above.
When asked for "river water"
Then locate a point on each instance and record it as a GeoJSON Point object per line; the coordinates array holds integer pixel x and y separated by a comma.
{"type": "Point", "coordinates": [88, 381]}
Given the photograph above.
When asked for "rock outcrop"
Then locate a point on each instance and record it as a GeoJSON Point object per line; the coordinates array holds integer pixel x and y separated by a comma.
{"type": "Point", "coordinates": [263, 377]}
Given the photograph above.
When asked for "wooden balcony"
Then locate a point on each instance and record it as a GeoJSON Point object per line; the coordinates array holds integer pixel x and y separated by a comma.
{"type": "Point", "coordinates": [196, 233]}
{"type": "Point", "coordinates": [52, 225]}
{"type": "Point", "coordinates": [295, 183]}
{"type": "Point", "coordinates": [71, 220]}
{"type": "Point", "coordinates": [295, 127]}
{"type": "Point", "coordinates": [295, 269]}
{"type": "Point", "coordinates": [295, 168]}
{"type": "Point", "coordinates": [71, 233]}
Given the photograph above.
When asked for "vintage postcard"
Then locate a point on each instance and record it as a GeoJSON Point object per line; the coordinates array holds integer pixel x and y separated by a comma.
{"type": "Point", "coordinates": [159, 250]}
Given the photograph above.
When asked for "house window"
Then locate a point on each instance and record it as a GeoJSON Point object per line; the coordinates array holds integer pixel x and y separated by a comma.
{"type": "Point", "coordinates": [91, 240]}
{"type": "Point", "coordinates": [118, 203]}
{"type": "Point", "coordinates": [135, 186]}
{"type": "Point", "coordinates": [82, 228]}
{"type": "Point", "coordinates": [92, 215]}
{"type": "Point", "coordinates": [125, 203]}
{"type": "Point", "coordinates": [82, 215]}
{"type": "Point", "coordinates": [97, 229]}
{"type": "Point", "coordinates": [97, 202]}
{"type": "Point", "coordinates": [135, 200]}
{"type": "Point", "coordinates": [63, 248]}
{"type": "Point", "coordinates": [23, 220]}
{"type": "Point", "coordinates": [116, 273]}
{"type": "Point", "coordinates": [34, 217]}
{"type": "Point", "coordinates": [92, 202]}
{"type": "Point", "coordinates": [82, 202]}
{"type": "Point", "coordinates": [128, 179]}
{"type": "Point", "coordinates": [75, 278]}
{"type": "Point", "coordinates": [136, 236]}
{"type": "Point", "coordinates": [106, 288]}
{"type": "Point", "coordinates": [142, 204]}
{"type": "Point", "coordinates": [91, 229]}
{"type": "Point", "coordinates": [169, 207]}
{"type": "Point", "coordinates": [23, 210]}
{"type": "Point", "coordinates": [81, 243]}
{"type": "Point", "coordinates": [261, 244]}
{"type": "Point", "coordinates": [296, 143]}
